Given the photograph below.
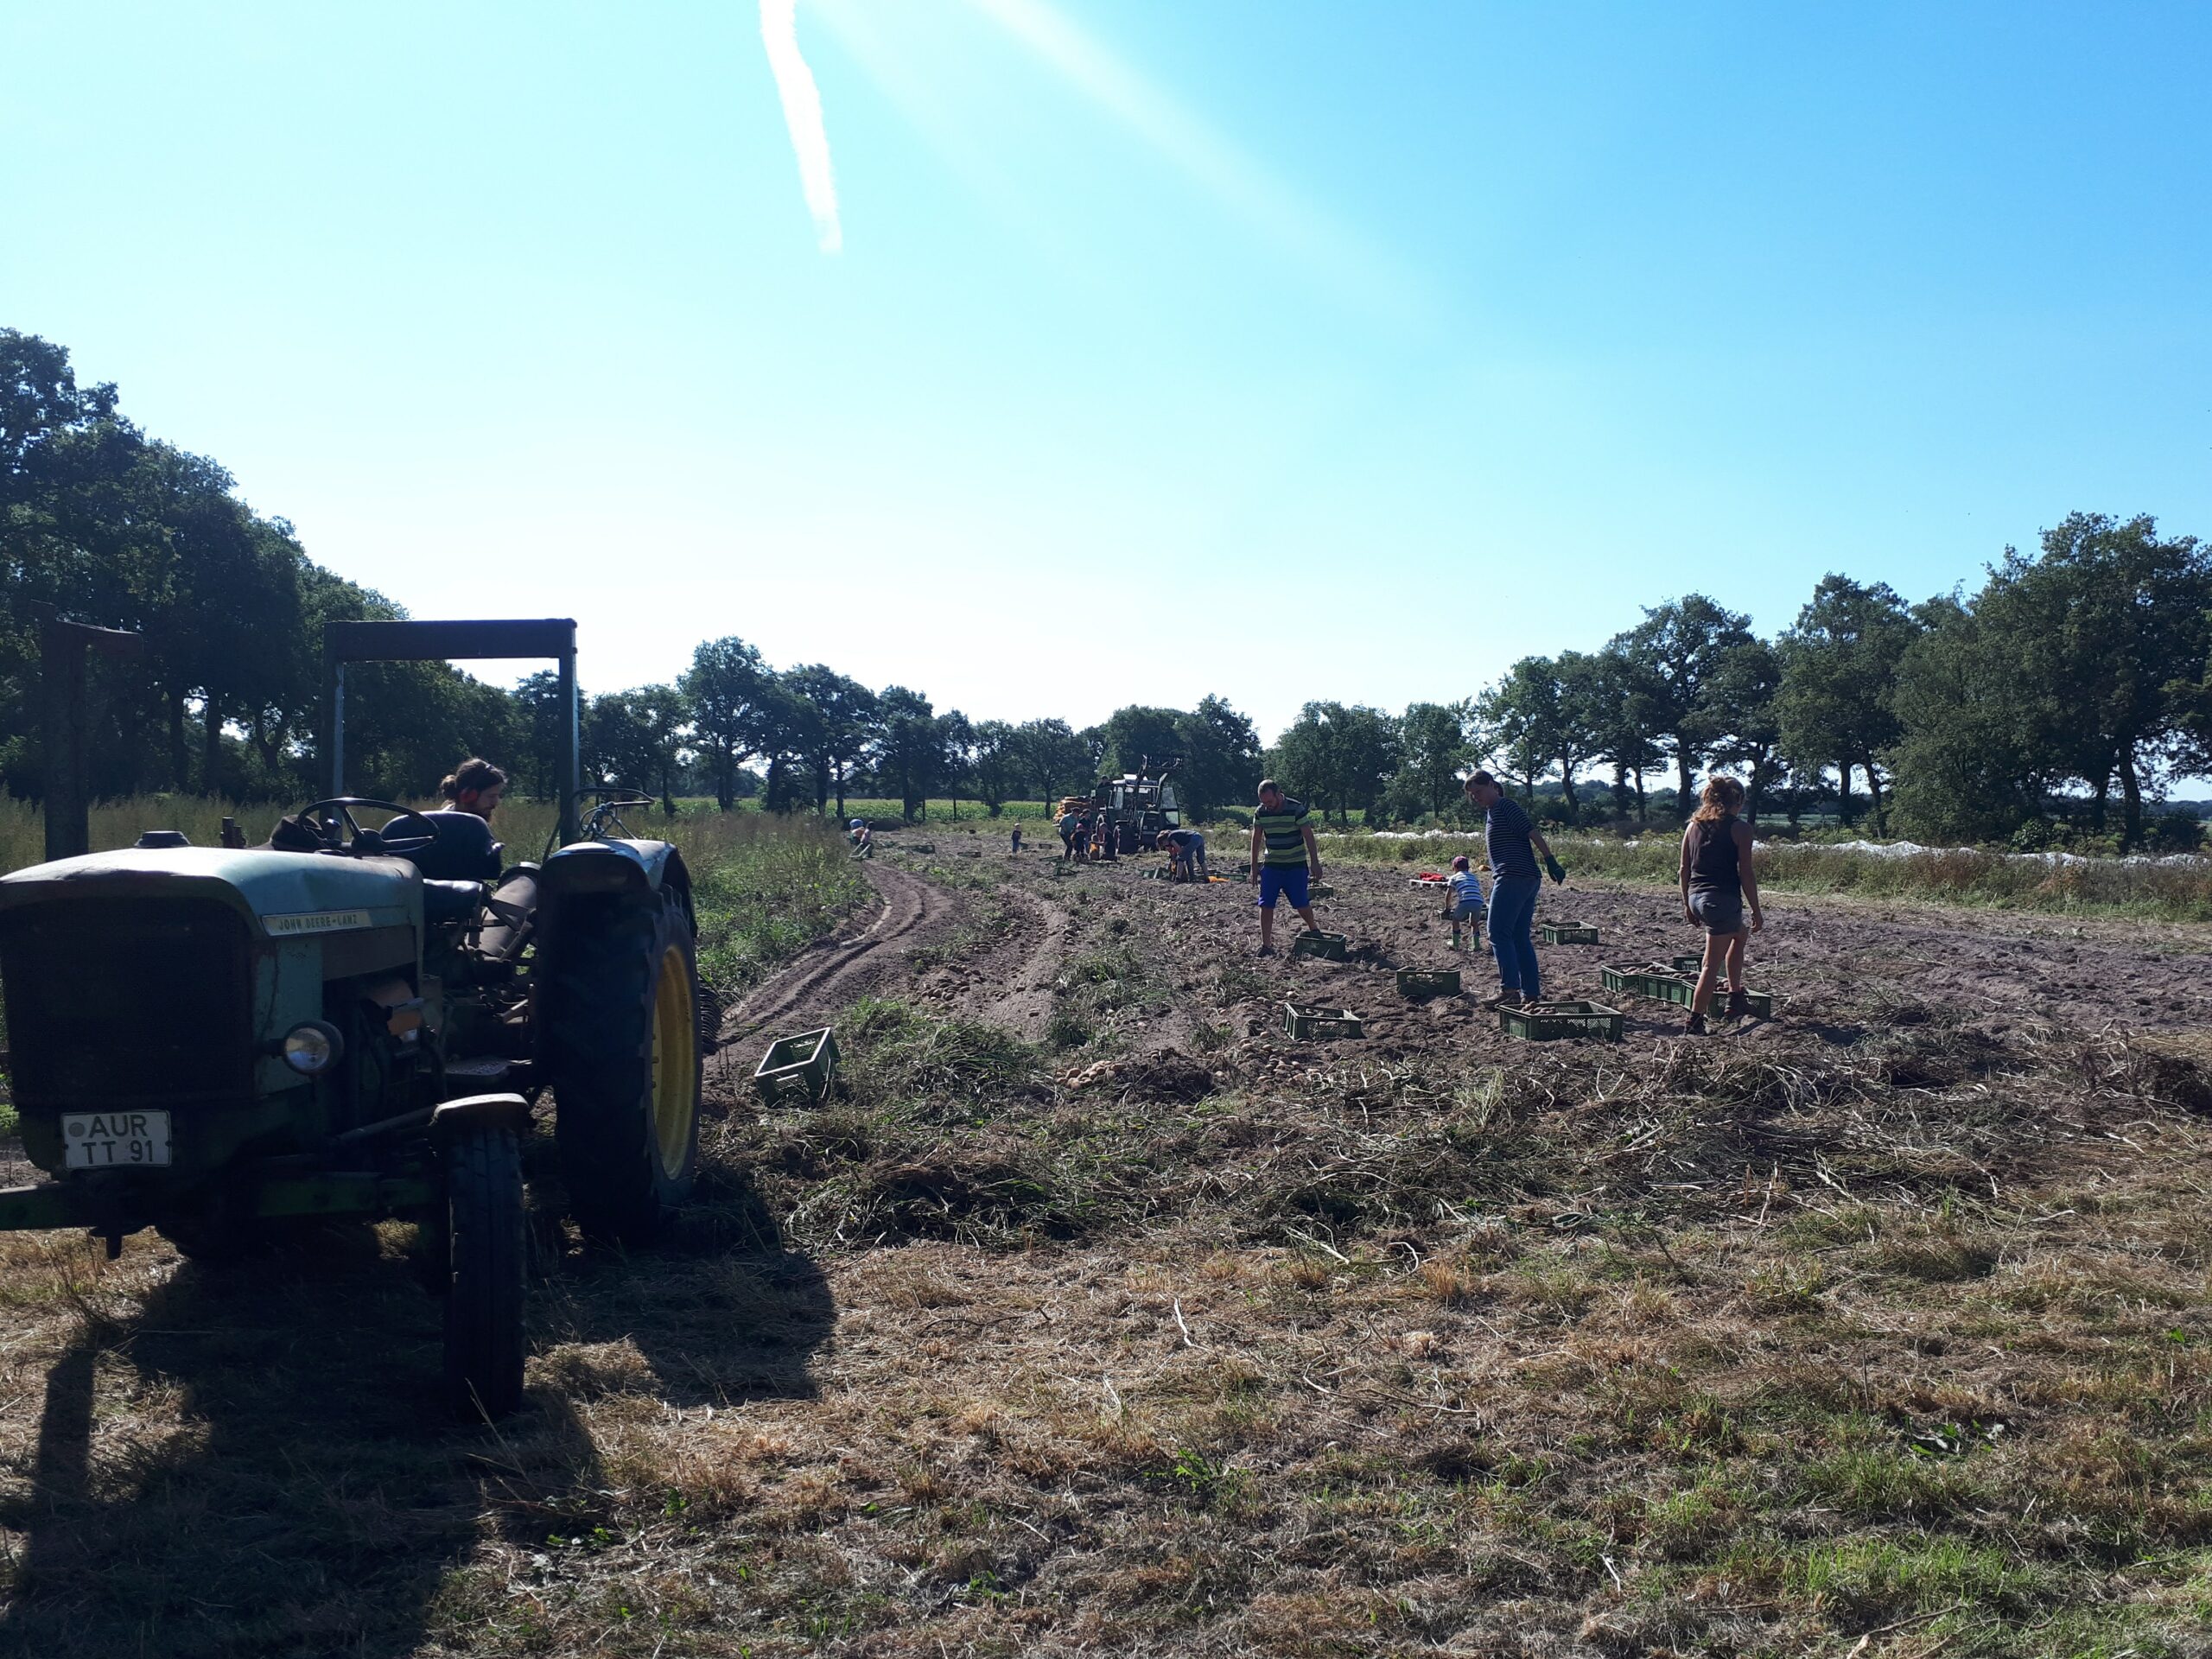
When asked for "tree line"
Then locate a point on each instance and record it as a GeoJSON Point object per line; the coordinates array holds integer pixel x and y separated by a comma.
{"type": "Point", "coordinates": [2015, 713]}
{"type": "Point", "coordinates": [101, 523]}
{"type": "Point", "coordinates": [2064, 696]}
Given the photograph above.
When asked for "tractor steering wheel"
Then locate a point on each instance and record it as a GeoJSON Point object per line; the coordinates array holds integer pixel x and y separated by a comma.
{"type": "Point", "coordinates": [342, 832]}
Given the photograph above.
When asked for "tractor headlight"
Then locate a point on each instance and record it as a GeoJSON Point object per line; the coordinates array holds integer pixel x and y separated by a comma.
{"type": "Point", "coordinates": [313, 1048]}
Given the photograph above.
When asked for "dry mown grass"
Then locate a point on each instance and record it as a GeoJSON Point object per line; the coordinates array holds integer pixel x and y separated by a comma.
{"type": "Point", "coordinates": [1884, 1341]}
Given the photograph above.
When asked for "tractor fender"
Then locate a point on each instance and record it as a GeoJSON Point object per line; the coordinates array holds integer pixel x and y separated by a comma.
{"type": "Point", "coordinates": [471, 1111]}
{"type": "Point", "coordinates": [614, 866]}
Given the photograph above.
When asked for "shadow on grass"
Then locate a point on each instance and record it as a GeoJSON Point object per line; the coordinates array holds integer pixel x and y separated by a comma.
{"type": "Point", "coordinates": [258, 1462]}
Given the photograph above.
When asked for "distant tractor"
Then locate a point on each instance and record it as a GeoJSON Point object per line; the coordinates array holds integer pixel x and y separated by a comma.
{"type": "Point", "coordinates": [354, 1022]}
{"type": "Point", "coordinates": [1136, 806]}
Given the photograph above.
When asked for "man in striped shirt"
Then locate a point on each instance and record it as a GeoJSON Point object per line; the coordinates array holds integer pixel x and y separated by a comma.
{"type": "Point", "coordinates": [1283, 857]}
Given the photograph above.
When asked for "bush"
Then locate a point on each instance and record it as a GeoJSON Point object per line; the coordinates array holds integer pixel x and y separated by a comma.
{"type": "Point", "coordinates": [2174, 832]}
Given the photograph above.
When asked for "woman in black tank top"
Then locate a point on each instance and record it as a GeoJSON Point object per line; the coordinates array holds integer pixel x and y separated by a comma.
{"type": "Point", "coordinates": [1714, 865]}
{"type": "Point", "coordinates": [1716, 878]}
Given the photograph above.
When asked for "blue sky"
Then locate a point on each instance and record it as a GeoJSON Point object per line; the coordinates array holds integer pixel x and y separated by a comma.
{"type": "Point", "coordinates": [1285, 350]}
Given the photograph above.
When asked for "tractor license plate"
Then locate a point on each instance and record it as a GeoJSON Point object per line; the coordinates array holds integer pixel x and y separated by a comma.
{"type": "Point", "coordinates": [114, 1140]}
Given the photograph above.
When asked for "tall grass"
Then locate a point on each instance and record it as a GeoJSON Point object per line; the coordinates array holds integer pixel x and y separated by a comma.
{"type": "Point", "coordinates": [2179, 890]}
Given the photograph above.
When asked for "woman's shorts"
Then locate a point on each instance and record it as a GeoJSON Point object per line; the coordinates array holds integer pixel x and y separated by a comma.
{"type": "Point", "coordinates": [1719, 912]}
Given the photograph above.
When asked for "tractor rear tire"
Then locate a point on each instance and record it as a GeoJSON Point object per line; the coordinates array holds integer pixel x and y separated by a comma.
{"type": "Point", "coordinates": [620, 1006]}
{"type": "Point", "coordinates": [485, 1253]}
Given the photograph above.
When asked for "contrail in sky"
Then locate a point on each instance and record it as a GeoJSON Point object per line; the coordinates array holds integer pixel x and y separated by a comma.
{"type": "Point", "coordinates": [1249, 189]}
{"type": "Point", "coordinates": [803, 115]}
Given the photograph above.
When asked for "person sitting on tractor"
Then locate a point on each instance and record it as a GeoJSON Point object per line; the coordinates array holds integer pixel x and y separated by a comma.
{"type": "Point", "coordinates": [474, 787]}
{"type": "Point", "coordinates": [464, 849]}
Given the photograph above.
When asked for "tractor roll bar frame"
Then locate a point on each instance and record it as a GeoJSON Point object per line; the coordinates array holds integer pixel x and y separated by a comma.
{"type": "Point", "coordinates": [439, 642]}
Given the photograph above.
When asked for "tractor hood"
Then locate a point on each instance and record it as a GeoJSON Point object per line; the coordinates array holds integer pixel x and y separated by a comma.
{"type": "Point", "coordinates": [287, 895]}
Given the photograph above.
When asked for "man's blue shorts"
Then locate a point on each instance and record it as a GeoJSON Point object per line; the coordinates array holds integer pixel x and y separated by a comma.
{"type": "Point", "coordinates": [1287, 879]}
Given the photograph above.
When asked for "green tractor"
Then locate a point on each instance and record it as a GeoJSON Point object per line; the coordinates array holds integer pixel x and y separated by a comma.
{"type": "Point", "coordinates": [228, 1044]}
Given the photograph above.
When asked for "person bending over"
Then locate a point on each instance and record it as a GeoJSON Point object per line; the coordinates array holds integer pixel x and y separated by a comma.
{"type": "Point", "coordinates": [1186, 854]}
{"type": "Point", "coordinates": [1465, 905]}
{"type": "Point", "coordinates": [1717, 879]}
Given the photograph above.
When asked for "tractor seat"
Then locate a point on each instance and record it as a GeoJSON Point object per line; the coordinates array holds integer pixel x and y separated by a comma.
{"type": "Point", "coordinates": [451, 901]}
{"type": "Point", "coordinates": [464, 850]}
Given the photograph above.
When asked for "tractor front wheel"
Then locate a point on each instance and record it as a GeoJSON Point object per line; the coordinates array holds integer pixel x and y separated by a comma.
{"type": "Point", "coordinates": [620, 1010]}
{"type": "Point", "coordinates": [484, 1265]}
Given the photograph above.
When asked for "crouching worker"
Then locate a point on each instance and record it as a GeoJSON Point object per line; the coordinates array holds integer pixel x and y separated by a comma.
{"type": "Point", "coordinates": [1186, 854]}
{"type": "Point", "coordinates": [1464, 906]}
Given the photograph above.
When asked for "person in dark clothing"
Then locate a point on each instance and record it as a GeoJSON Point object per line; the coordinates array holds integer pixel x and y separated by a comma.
{"type": "Point", "coordinates": [1186, 853]}
{"type": "Point", "coordinates": [1717, 880]}
{"type": "Point", "coordinates": [1514, 845]}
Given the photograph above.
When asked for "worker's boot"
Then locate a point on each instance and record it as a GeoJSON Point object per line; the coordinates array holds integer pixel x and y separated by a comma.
{"type": "Point", "coordinates": [1740, 1004]}
{"type": "Point", "coordinates": [1696, 1027]}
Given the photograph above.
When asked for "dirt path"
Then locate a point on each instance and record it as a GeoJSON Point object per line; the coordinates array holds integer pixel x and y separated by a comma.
{"type": "Point", "coordinates": [837, 971]}
{"type": "Point", "coordinates": [1014, 984]}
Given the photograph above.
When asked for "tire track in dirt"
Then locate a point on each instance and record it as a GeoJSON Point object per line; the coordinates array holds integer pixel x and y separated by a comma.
{"type": "Point", "coordinates": [834, 972]}
{"type": "Point", "coordinates": [1013, 986]}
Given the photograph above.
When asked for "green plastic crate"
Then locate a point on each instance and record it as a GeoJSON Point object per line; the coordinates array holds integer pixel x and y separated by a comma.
{"type": "Point", "coordinates": [1631, 979]}
{"type": "Point", "coordinates": [1321, 890]}
{"type": "Point", "coordinates": [1680, 989]}
{"type": "Point", "coordinates": [1570, 934]}
{"type": "Point", "coordinates": [800, 1066]}
{"type": "Point", "coordinates": [1329, 947]}
{"type": "Point", "coordinates": [1419, 983]}
{"type": "Point", "coordinates": [1544, 1022]}
{"type": "Point", "coordinates": [1686, 964]}
{"type": "Point", "coordinates": [1760, 1003]}
{"type": "Point", "coordinates": [1309, 1021]}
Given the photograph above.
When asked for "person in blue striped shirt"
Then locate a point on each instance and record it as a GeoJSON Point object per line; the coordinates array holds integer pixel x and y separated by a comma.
{"type": "Point", "coordinates": [1514, 844]}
